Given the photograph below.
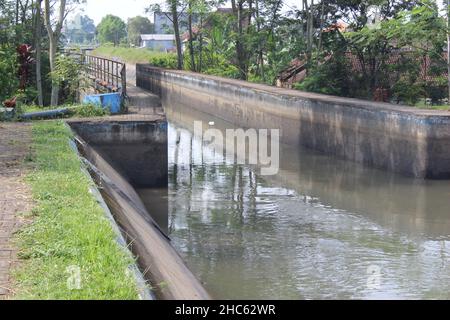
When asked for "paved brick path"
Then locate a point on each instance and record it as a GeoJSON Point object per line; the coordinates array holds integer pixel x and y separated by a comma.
{"type": "Point", "coordinates": [15, 195]}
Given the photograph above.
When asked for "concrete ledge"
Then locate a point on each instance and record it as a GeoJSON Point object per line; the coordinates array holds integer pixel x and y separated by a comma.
{"type": "Point", "coordinates": [136, 146]}
{"type": "Point", "coordinates": [159, 261]}
{"type": "Point", "coordinates": [401, 139]}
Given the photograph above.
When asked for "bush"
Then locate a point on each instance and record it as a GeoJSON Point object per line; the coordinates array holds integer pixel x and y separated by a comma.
{"type": "Point", "coordinates": [138, 55]}
{"type": "Point", "coordinates": [227, 72]}
{"type": "Point", "coordinates": [164, 60]}
{"type": "Point", "coordinates": [437, 90]}
{"type": "Point", "coordinates": [90, 110]}
{"type": "Point", "coordinates": [8, 72]}
{"type": "Point", "coordinates": [68, 76]}
{"type": "Point", "coordinates": [218, 65]}
{"type": "Point", "coordinates": [329, 77]}
{"type": "Point", "coordinates": [406, 92]}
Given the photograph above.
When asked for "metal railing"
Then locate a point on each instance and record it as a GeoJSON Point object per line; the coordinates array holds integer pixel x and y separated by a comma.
{"type": "Point", "coordinates": [110, 74]}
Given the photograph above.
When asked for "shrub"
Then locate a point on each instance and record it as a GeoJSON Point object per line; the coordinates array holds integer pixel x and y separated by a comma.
{"type": "Point", "coordinates": [438, 90]}
{"type": "Point", "coordinates": [8, 72]}
{"type": "Point", "coordinates": [164, 60]}
{"type": "Point", "coordinates": [68, 76]}
{"type": "Point", "coordinates": [329, 77]}
{"type": "Point", "coordinates": [407, 92]}
{"type": "Point", "coordinates": [229, 71]}
{"type": "Point", "coordinates": [90, 110]}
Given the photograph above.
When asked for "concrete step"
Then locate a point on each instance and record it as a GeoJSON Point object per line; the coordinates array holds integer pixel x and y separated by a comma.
{"type": "Point", "coordinates": [138, 97]}
{"type": "Point", "coordinates": [153, 110]}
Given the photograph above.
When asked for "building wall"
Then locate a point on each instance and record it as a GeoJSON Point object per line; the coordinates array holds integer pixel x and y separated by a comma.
{"type": "Point", "coordinates": [400, 139]}
{"type": "Point", "coordinates": [159, 45]}
{"type": "Point", "coordinates": [163, 25]}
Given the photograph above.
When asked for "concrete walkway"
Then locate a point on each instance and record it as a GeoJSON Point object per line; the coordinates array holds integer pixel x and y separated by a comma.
{"type": "Point", "coordinates": [15, 195]}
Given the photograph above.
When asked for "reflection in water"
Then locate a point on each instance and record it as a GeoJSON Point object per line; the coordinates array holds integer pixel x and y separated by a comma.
{"type": "Point", "coordinates": [316, 230]}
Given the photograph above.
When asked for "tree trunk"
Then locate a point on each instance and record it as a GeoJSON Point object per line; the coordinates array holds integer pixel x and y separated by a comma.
{"type": "Point", "coordinates": [52, 57]}
{"type": "Point", "coordinates": [240, 54]}
{"type": "Point", "coordinates": [200, 45]}
{"type": "Point", "coordinates": [176, 28]}
{"type": "Point", "coordinates": [322, 18]}
{"type": "Point", "coordinates": [17, 12]}
{"type": "Point", "coordinates": [260, 51]}
{"type": "Point", "coordinates": [191, 38]}
{"type": "Point", "coordinates": [53, 37]}
{"type": "Point", "coordinates": [309, 28]}
{"type": "Point", "coordinates": [448, 48]}
{"type": "Point", "coordinates": [37, 46]}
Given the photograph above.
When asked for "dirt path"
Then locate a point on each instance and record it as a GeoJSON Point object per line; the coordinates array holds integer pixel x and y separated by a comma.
{"type": "Point", "coordinates": [15, 195]}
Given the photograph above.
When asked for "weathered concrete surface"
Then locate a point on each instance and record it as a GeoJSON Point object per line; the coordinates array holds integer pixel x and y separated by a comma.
{"type": "Point", "coordinates": [142, 102]}
{"type": "Point", "coordinates": [135, 145]}
{"type": "Point", "coordinates": [161, 264]}
{"type": "Point", "coordinates": [15, 196]}
{"type": "Point", "coordinates": [401, 139]}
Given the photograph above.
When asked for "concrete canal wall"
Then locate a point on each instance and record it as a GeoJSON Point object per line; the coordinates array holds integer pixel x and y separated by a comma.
{"type": "Point", "coordinates": [406, 140]}
{"type": "Point", "coordinates": [139, 149]}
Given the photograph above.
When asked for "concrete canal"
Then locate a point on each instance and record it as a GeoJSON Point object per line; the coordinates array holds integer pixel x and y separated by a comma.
{"type": "Point", "coordinates": [320, 228]}
{"type": "Point", "coordinates": [327, 225]}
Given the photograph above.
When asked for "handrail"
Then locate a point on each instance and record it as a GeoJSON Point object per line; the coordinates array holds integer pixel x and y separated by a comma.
{"type": "Point", "coordinates": [110, 74]}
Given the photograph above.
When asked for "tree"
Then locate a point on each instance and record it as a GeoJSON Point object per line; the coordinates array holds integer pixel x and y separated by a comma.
{"type": "Point", "coordinates": [37, 45]}
{"type": "Point", "coordinates": [137, 26]}
{"type": "Point", "coordinates": [191, 34]}
{"type": "Point", "coordinates": [241, 52]}
{"type": "Point", "coordinates": [401, 54]}
{"type": "Point", "coordinates": [447, 9]}
{"type": "Point", "coordinates": [54, 35]}
{"type": "Point", "coordinates": [173, 16]}
{"type": "Point", "coordinates": [176, 27]}
{"type": "Point", "coordinates": [111, 29]}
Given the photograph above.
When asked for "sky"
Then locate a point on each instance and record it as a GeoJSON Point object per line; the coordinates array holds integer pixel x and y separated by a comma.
{"type": "Point", "coordinates": [97, 9]}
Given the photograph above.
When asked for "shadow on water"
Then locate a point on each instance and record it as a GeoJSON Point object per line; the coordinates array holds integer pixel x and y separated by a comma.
{"type": "Point", "coordinates": [321, 228]}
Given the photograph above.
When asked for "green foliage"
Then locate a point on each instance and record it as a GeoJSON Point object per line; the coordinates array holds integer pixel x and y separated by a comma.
{"type": "Point", "coordinates": [137, 26]}
{"type": "Point", "coordinates": [90, 110]}
{"type": "Point", "coordinates": [111, 29]}
{"type": "Point", "coordinates": [406, 92]}
{"type": "Point", "coordinates": [222, 68]}
{"type": "Point", "coordinates": [139, 55]}
{"type": "Point", "coordinates": [164, 60]}
{"type": "Point", "coordinates": [68, 75]}
{"type": "Point", "coordinates": [329, 77]}
{"type": "Point", "coordinates": [386, 56]}
{"type": "Point", "coordinates": [437, 90]}
{"type": "Point", "coordinates": [8, 72]}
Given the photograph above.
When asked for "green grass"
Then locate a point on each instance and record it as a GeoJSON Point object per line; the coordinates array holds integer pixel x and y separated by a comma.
{"type": "Point", "coordinates": [34, 108]}
{"type": "Point", "coordinates": [138, 55]}
{"type": "Point", "coordinates": [433, 107]}
{"type": "Point", "coordinates": [68, 229]}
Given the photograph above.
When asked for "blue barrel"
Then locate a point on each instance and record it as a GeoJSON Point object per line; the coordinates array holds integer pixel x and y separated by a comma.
{"type": "Point", "coordinates": [112, 101]}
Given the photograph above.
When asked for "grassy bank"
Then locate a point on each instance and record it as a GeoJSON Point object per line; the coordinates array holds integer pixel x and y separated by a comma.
{"type": "Point", "coordinates": [138, 55]}
{"type": "Point", "coordinates": [69, 232]}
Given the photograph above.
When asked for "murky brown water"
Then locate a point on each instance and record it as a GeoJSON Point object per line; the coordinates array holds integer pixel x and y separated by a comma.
{"type": "Point", "coordinates": [321, 228]}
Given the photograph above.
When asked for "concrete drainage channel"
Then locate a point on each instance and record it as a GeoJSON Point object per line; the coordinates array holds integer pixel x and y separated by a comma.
{"type": "Point", "coordinates": [122, 155]}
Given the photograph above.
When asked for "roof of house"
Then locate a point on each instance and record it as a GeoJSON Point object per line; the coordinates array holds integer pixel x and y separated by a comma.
{"type": "Point", "coordinates": [157, 37]}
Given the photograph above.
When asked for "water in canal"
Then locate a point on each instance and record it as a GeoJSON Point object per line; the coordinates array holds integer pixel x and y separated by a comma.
{"type": "Point", "coordinates": [321, 228]}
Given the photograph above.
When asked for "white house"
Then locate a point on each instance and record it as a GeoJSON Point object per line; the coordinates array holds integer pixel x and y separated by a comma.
{"type": "Point", "coordinates": [158, 42]}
